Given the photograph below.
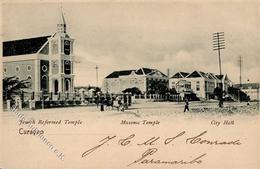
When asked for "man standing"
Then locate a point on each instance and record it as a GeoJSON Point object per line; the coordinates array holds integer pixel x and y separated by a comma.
{"type": "Point", "coordinates": [186, 105]}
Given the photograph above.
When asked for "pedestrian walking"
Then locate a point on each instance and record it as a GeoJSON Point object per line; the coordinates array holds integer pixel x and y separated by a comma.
{"type": "Point", "coordinates": [102, 101]}
{"type": "Point", "coordinates": [186, 105]}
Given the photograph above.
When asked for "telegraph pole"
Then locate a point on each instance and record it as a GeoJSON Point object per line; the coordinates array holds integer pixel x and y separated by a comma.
{"type": "Point", "coordinates": [240, 78]}
{"type": "Point", "coordinates": [219, 44]}
{"type": "Point", "coordinates": [168, 72]}
{"type": "Point", "coordinates": [96, 75]}
{"type": "Point", "coordinates": [240, 71]}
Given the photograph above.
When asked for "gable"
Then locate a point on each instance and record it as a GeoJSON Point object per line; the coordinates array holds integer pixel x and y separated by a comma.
{"type": "Point", "coordinates": [194, 74]}
{"type": "Point", "coordinates": [157, 73]}
{"type": "Point", "coordinates": [180, 75]}
{"type": "Point", "coordinates": [23, 46]}
{"type": "Point", "coordinates": [116, 74]}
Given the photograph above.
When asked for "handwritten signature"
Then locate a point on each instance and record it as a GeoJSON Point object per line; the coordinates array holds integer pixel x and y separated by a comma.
{"type": "Point", "coordinates": [155, 140]}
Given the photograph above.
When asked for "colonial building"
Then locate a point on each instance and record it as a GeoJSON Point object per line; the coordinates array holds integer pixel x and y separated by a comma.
{"type": "Point", "coordinates": [47, 61]}
{"type": "Point", "coordinates": [198, 82]}
{"type": "Point", "coordinates": [142, 78]}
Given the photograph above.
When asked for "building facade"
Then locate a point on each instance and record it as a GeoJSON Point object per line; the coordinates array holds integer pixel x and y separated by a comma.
{"type": "Point", "coordinates": [251, 89]}
{"type": "Point", "coordinates": [198, 82]}
{"type": "Point", "coordinates": [142, 78]}
{"type": "Point", "coordinates": [46, 61]}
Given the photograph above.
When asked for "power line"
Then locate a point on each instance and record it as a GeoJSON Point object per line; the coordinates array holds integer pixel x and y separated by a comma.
{"type": "Point", "coordinates": [218, 44]}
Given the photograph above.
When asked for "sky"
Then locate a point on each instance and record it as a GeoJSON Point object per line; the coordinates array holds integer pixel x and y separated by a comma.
{"type": "Point", "coordinates": [160, 35]}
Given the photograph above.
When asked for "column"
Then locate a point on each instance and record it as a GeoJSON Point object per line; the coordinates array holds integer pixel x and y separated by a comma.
{"type": "Point", "coordinates": [37, 75]}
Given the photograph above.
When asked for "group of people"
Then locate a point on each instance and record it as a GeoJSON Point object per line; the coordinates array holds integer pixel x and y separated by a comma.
{"type": "Point", "coordinates": [110, 102]}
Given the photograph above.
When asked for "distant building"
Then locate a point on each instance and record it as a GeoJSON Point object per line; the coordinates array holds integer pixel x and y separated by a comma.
{"type": "Point", "coordinates": [47, 61]}
{"type": "Point", "coordinates": [225, 81]}
{"type": "Point", "coordinates": [251, 89]}
{"type": "Point", "coordinates": [142, 78]}
{"type": "Point", "coordinates": [88, 91]}
{"type": "Point", "coordinates": [173, 81]}
{"type": "Point", "coordinates": [198, 82]}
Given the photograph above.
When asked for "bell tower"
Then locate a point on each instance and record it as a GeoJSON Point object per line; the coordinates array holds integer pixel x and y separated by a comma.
{"type": "Point", "coordinates": [61, 59]}
{"type": "Point", "coordinates": [61, 26]}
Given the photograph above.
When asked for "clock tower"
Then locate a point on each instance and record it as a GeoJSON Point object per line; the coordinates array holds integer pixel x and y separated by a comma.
{"type": "Point", "coordinates": [61, 60]}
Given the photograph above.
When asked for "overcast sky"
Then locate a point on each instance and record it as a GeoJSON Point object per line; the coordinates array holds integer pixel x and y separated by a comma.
{"type": "Point", "coordinates": [175, 35]}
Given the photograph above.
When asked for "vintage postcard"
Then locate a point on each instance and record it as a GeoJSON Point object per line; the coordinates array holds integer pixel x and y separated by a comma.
{"type": "Point", "coordinates": [130, 84]}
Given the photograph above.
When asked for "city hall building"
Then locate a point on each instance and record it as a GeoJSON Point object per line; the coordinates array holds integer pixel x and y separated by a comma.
{"type": "Point", "coordinates": [46, 61]}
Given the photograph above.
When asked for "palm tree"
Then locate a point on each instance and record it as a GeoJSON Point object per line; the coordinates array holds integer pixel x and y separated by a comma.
{"type": "Point", "coordinates": [12, 86]}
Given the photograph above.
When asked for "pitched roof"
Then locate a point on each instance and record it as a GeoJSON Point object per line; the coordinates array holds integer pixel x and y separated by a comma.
{"type": "Point", "coordinates": [196, 74]}
{"type": "Point", "coordinates": [248, 86]}
{"type": "Point", "coordinates": [23, 46]}
{"type": "Point", "coordinates": [62, 19]}
{"type": "Point", "coordinates": [213, 76]}
{"type": "Point", "coordinates": [220, 77]}
{"type": "Point", "coordinates": [145, 71]}
{"type": "Point", "coordinates": [180, 75]}
{"type": "Point", "coordinates": [141, 71]}
{"type": "Point", "coordinates": [116, 74]}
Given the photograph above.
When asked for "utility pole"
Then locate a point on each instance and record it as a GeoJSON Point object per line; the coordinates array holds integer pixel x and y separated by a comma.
{"type": "Point", "coordinates": [258, 96]}
{"type": "Point", "coordinates": [168, 72]}
{"type": "Point", "coordinates": [219, 44]}
{"type": "Point", "coordinates": [240, 78]}
{"type": "Point", "coordinates": [240, 71]}
{"type": "Point", "coordinates": [96, 75]}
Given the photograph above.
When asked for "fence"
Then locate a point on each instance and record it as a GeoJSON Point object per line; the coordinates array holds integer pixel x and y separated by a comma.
{"type": "Point", "coordinates": [159, 97]}
{"type": "Point", "coordinates": [34, 100]}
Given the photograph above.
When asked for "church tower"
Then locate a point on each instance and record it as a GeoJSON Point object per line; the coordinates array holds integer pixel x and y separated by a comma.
{"type": "Point", "coordinates": [61, 26]}
{"type": "Point", "coordinates": [61, 74]}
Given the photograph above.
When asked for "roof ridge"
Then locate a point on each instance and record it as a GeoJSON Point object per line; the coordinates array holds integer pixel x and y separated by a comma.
{"type": "Point", "coordinates": [27, 38]}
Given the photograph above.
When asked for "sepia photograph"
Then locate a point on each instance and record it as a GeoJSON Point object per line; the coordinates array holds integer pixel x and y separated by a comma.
{"type": "Point", "coordinates": [130, 84]}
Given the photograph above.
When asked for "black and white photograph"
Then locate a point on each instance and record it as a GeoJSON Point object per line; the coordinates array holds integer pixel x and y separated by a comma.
{"type": "Point", "coordinates": [130, 84]}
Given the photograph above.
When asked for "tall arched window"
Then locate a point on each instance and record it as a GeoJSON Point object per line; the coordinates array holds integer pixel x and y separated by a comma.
{"type": "Point", "coordinates": [44, 82]}
{"type": "Point", "coordinates": [67, 85]}
{"type": "Point", "coordinates": [56, 87]}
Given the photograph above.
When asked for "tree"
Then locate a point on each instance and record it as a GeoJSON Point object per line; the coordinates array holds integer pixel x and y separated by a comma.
{"type": "Point", "coordinates": [133, 91]}
{"type": "Point", "coordinates": [97, 90]}
{"type": "Point", "coordinates": [12, 86]}
{"type": "Point", "coordinates": [172, 91]}
{"type": "Point", "coordinates": [157, 87]}
{"type": "Point", "coordinates": [219, 94]}
{"type": "Point", "coordinates": [238, 94]}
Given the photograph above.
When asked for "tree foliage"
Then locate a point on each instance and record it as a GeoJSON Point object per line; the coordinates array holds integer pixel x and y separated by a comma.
{"type": "Point", "coordinates": [238, 93]}
{"type": "Point", "coordinates": [157, 87]}
{"type": "Point", "coordinates": [133, 91]}
{"type": "Point", "coordinates": [12, 86]}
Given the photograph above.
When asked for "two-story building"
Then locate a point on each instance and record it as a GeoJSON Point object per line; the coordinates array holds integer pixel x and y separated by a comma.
{"type": "Point", "coordinates": [141, 78]}
{"type": "Point", "coordinates": [198, 82]}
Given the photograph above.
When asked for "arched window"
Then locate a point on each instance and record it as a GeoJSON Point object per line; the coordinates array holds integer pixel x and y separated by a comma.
{"type": "Point", "coordinates": [67, 85]}
{"type": "Point", "coordinates": [44, 82]}
{"type": "Point", "coordinates": [56, 87]}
